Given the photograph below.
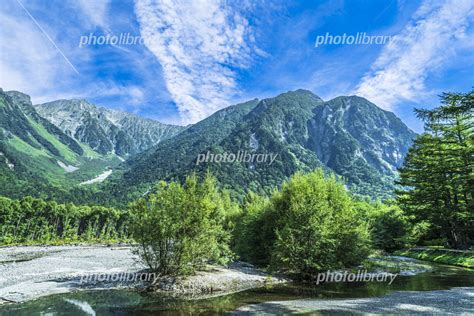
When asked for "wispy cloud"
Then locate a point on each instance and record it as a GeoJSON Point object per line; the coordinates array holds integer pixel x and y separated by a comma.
{"type": "Point", "coordinates": [437, 31]}
{"type": "Point", "coordinates": [27, 57]}
{"type": "Point", "coordinates": [95, 11]}
{"type": "Point", "coordinates": [132, 94]}
{"type": "Point", "coordinates": [37, 51]}
{"type": "Point", "coordinates": [200, 46]}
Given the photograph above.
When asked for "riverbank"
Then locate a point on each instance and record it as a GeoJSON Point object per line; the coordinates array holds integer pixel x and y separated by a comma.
{"type": "Point", "coordinates": [217, 281]}
{"type": "Point", "coordinates": [30, 272]}
{"type": "Point", "coordinates": [456, 301]}
{"type": "Point", "coordinates": [207, 289]}
{"type": "Point", "coordinates": [462, 258]}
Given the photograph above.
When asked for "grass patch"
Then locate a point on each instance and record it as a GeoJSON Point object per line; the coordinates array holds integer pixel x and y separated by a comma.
{"type": "Point", "coordinates": [65, 151]}
{"type": "Point", "coordinates": [43, 164]}
{"type": "Point", "coordinates": [23, 147]}
{"type": "Point", "coordinates": [394, 265]}
{"type": "Point", "coordinates": [89, 152]}
{"type": "Point", "coordinates": [444, 256]}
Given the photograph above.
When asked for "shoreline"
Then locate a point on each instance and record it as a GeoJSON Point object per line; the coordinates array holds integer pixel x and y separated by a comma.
{"type": "Point", "coordinates": [31, 272]}
{"type": "Point", "coordinates": [453, 257]}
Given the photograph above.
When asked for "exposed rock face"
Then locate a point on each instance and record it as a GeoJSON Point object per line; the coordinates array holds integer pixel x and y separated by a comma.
{"type": "Point", "coordinates": [105, 130]}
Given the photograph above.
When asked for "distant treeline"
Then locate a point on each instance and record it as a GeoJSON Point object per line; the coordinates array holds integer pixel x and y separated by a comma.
{"type": "Point", "coordinates": [34, 220]}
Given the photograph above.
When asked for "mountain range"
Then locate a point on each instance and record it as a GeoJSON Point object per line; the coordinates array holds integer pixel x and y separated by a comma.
{"type": "Point", "coordinates": [81, 142]}
{"type": "Point", "coordinates": [104, 130]}
{"type": "Point", "coordinates": [67, 143]}
{"type": "Point", "coordinates": [347, 135]}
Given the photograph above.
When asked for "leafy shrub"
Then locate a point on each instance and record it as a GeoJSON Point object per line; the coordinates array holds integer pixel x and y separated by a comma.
{"type": "Point", "coordinates": [308, 226]}
{"type": "Point", "coordinates": [254, 234]}
{"type": "Point", "coordinates": [179, 228]}
{"type": "Point", "coordinates": [390, 228]}
{"type": "Point", "coordinates": [318, 226]}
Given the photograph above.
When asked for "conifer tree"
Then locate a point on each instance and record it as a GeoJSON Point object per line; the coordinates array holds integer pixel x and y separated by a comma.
{"type": "Point", "coordinates": [438, 171]}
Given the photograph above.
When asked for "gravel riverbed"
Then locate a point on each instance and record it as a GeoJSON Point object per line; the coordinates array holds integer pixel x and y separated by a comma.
{"type": "Point", "coordinates": [30, 272]}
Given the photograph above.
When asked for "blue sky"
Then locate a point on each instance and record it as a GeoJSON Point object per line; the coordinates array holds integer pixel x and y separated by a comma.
{"type": "Point", "coordinates": [196, 57]}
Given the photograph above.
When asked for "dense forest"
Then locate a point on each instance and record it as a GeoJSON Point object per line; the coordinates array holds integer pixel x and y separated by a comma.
{"type": "Point", "coordinates": [32, 220]}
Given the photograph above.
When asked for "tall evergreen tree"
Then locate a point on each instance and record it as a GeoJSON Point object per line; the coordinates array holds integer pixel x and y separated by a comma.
{"type": "Point", "coordinates": [438, 173]}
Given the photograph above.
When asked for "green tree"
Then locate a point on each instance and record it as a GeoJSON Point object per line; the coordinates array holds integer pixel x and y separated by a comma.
{"type": "Point", "coordinates": [255, 230]}
{"type": "Point", "coordinates": [318, 226]}
{"type": "Point", "coordinates": [438, 173]}
{"type": "Point", "coordinates": [308, 226]}
{"type": "Point", "coordinates": [31, 220]}
{"type": "Point", "coordinates": [179, 228]}
{"type": "Point", "coordinates": [389, 227]}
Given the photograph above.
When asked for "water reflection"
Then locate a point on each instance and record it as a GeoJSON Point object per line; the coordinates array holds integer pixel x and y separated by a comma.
{"type": "Point", "coordinates": [124, 302]}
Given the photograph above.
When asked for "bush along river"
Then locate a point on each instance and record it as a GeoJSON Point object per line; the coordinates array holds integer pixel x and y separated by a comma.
{"type": "Point", "coordinates": [418, 288]}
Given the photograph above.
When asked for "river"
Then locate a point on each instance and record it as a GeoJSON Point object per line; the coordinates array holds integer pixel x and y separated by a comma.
{"type": "Point", "coordinates": [127, 302]}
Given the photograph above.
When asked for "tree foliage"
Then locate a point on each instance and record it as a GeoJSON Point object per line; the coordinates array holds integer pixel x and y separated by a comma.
{"type": "Point", "coordinates": [308, 226]}
{"type": "Point", "coordinates": [438, 174]}
{"type": "Point", "coordinates": [390, 228]}
{"type": "Point", "coordinates": [31, 220]}
{"type": "Point", "coordinates": [180, 228]}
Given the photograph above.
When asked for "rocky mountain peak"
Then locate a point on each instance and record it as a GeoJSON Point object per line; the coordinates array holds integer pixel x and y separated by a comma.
{"type": "Point", "coordinates": [347, 135]}
{"type": "Point", "coordinates": [106, 130]}
{"type": "Point", "coordinates": [19, 96]}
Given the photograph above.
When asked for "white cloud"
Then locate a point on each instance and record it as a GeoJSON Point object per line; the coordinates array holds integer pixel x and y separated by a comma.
{"type": "Point", "coordinates": [198, 44]}
{"type": "Point", "coordinates": [28, 61]}
{"type": "Point", "coordinates": [132, 94]}
{"type": "Point", "coordinates": [436, 33]}
{"type": "Point", "coordinates": [95, 11]}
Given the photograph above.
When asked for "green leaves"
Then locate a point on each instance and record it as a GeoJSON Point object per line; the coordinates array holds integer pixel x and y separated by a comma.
{"type": "Point", "coordinates": [308, 226]}
{"type": "Point", "coordinates": [32, 220]}
{"type": "Point", "coordinates": [438, 170]}
{"type": "Point", "coordinates": [180, 228]}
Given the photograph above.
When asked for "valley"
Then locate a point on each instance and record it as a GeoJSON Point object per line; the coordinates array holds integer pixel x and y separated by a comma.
{"type": "Point", "coordinates": [278, 183]}
{"type": "Point", "coordinates": [236, 158]}
{"type": "Point", "coordinates": [37, 147]}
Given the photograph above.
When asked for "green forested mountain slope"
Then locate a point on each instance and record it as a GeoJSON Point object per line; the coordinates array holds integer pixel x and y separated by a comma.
{"type": "Point", "coordinates": [175, 157]}
{"type": "Point", "coordinates": [348, 135]}
{"type": "Point", "coordinates": [361, 142]}
{"type": "Point", "coordinates": [33, 150]}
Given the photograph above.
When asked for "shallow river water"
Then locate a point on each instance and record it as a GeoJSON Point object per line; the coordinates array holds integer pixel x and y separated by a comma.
{"type": "Point", "coordinates": [122, 302]}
